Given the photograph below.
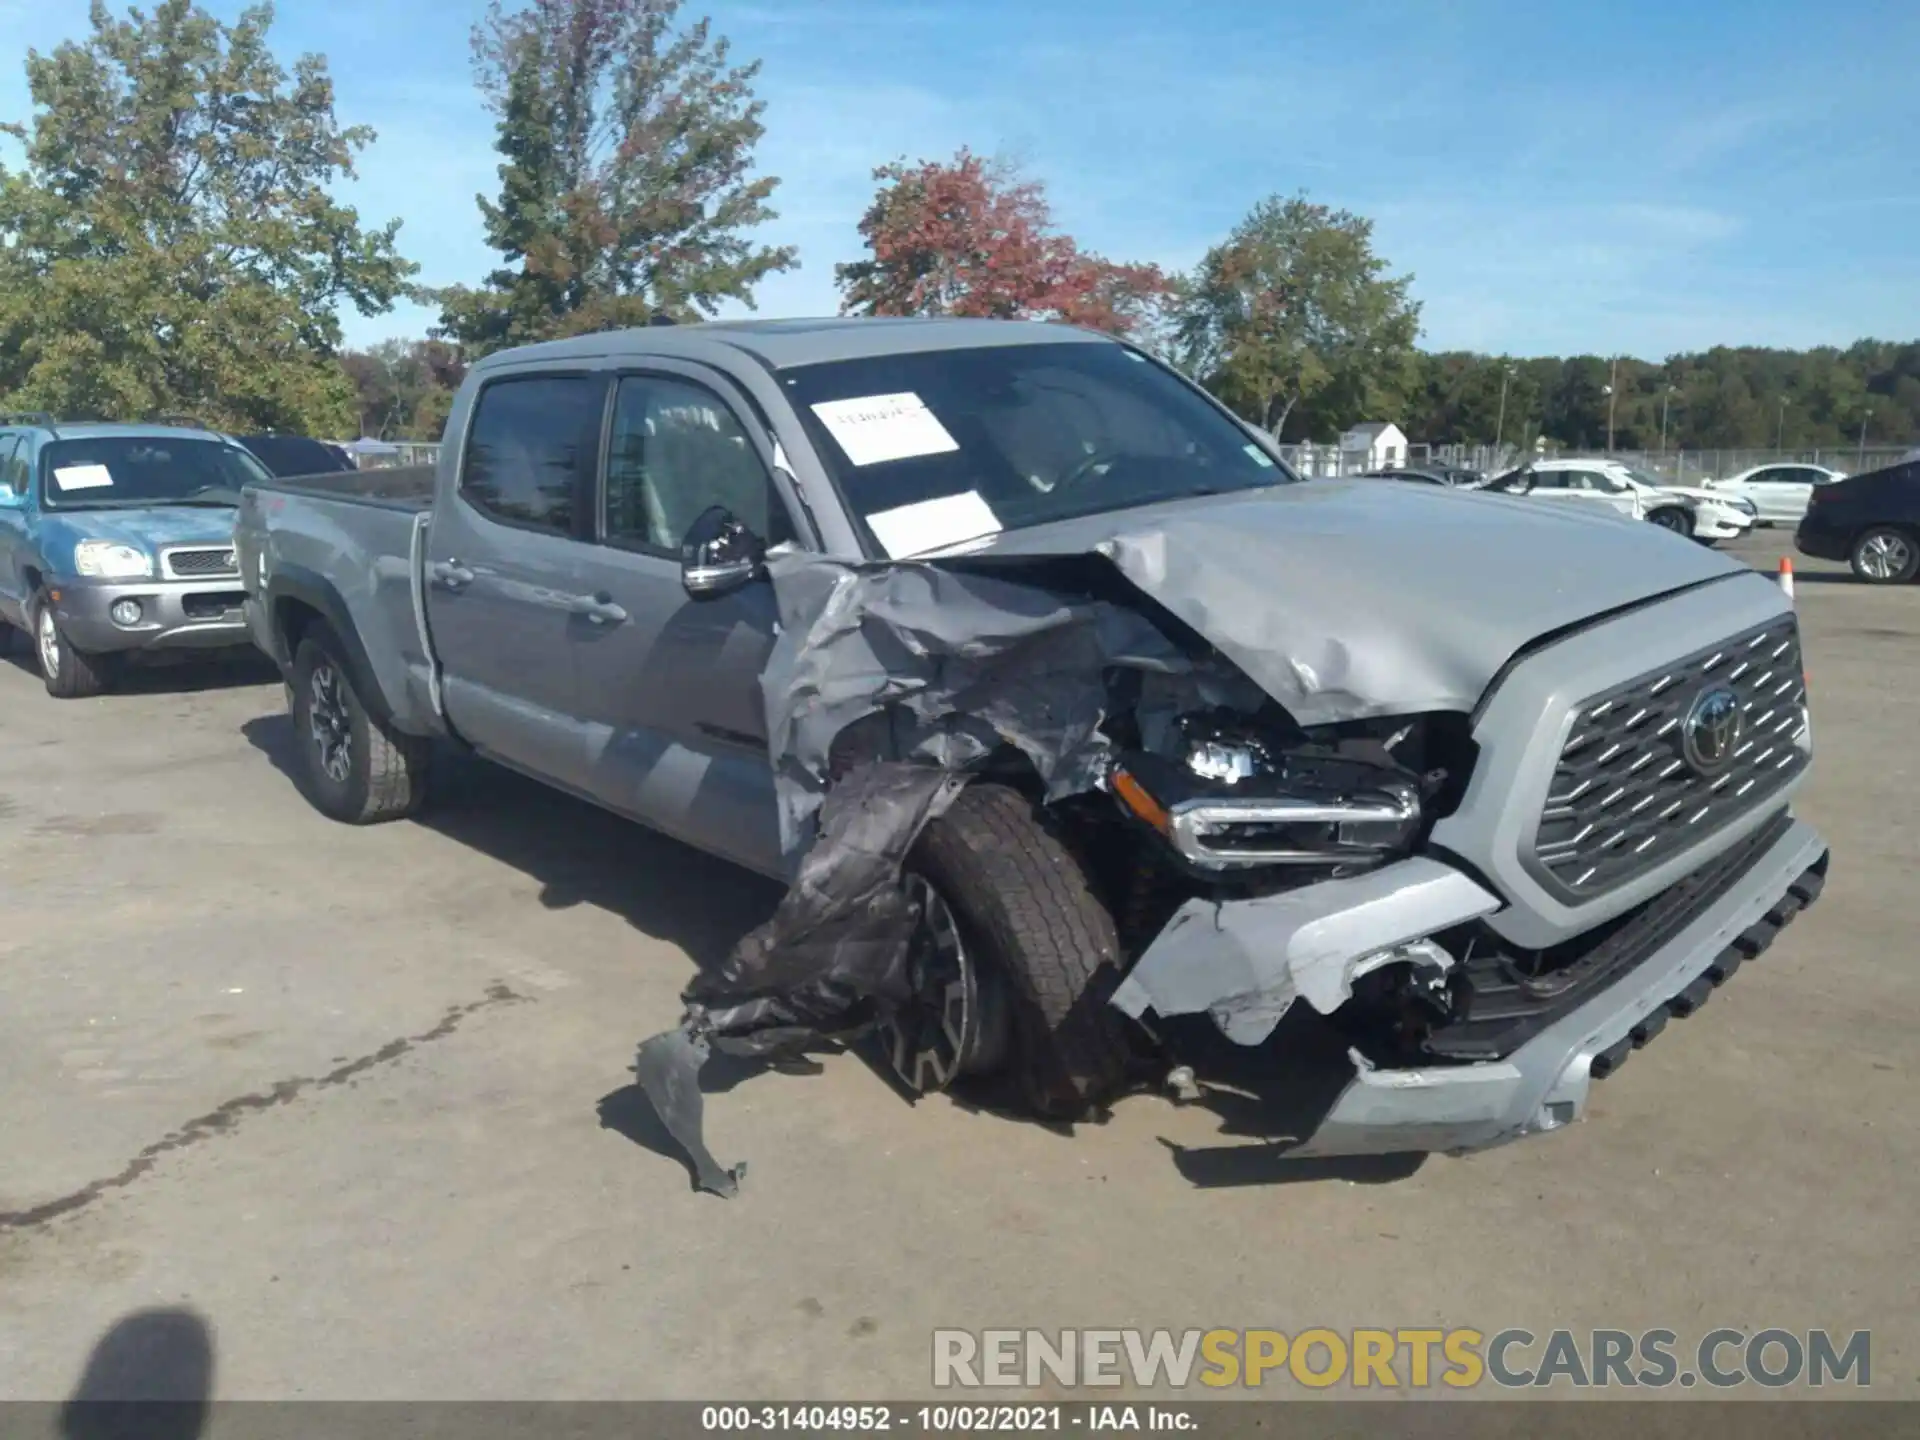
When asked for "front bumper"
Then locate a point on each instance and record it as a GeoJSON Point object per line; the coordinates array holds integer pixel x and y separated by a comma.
{"type": "Point", "coordinates": [1245, 962]}
{"type": "Point", "coordinates": [174, 614]}
{"type": "Point", "coordinates": [1714, 523]}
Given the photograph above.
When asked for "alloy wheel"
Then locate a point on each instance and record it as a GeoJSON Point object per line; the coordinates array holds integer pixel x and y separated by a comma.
{"type": "Point", "coordinates": [941, 1033]}
{"type": "Point", "coordinates": [329, 723]}
{"type": "Point", "coordinates": [47, 634]}
{"type": "Point", "coordinates": [1885, 556]}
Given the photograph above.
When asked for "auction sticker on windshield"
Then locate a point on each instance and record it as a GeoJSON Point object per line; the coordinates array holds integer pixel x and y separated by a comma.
{"type": "Point", "coordinates": [82, 477]}
{"type": "Point", "coordinates": [930, 524]}
{"type": "Point", "coordinates": [877, 428]}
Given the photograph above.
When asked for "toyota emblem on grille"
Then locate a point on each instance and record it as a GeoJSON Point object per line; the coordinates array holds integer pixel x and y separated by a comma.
{"type": "Point", "coordinates": [1711, 732]}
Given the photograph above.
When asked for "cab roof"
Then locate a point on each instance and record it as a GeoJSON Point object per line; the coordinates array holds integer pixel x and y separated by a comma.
{"type": "Point", "coordinates": [103, 429]}
{"type": "Point", "coordinates": [786, 344]}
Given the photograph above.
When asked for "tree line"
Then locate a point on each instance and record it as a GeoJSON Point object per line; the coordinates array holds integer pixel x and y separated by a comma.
{"type": "Point", "coordinates": [172, 245]}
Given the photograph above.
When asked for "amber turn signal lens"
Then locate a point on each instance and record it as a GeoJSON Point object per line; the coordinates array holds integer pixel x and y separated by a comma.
{"type": "Point", "coordinates": [1134, 796]}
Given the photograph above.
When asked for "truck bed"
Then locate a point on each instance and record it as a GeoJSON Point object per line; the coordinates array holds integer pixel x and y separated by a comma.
{"type": "Point", "coordinates": [400, 487]}
{"type": "Point", "coordinates": [346, 547]}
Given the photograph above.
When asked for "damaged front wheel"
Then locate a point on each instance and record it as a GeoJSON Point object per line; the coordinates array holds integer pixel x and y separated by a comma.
{"type": "Point", "coordinates": [1028, 938]}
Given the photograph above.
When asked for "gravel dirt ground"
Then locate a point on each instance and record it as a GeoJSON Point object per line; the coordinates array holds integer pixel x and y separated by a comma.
{"type": "Point", "coordinates": [358, 1099]}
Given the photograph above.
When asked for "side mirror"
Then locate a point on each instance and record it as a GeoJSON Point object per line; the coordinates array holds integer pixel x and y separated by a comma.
{"type": "Point", "coordinates": [719, 555]}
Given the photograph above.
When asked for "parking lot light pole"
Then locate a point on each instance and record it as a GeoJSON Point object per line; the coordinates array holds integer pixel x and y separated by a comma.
{"type": "Point", "coordinates": [1665, 396]}
{"type": "Point", "coordinates": [1861, 458]}
{"type": "Point", "coordinates": [1613, 387]}
{"type": "Point", "coordinates": [1780, 434]}
{"type": "Point", "coordinates": [1500, 429]}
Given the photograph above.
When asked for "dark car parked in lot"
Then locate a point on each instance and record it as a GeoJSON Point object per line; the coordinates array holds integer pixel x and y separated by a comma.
{"type": "Point", "coordinates": [285, 455]}
{"type": "Point", "coordinates": [1871, 521]}
{"type": "Point", "coordinates": [1430, 475]}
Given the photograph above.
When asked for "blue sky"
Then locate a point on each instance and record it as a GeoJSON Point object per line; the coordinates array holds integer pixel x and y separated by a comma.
{"type": "Point", "coordinates": [1630, 176]}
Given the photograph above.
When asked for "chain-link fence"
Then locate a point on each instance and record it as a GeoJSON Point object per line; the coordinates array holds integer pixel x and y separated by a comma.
{"type": "Point", "coordinates": [1672, 467]}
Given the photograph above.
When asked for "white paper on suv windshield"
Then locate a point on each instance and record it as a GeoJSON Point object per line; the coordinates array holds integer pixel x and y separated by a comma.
{"type": "Point", "coordinates": [874, 429]}
{"type": "Point", "coordinates": [930, 524]}
{"type": "Point", "coordinates": [82, 477]}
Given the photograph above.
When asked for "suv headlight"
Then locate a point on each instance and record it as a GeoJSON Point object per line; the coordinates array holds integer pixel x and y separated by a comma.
{"type": "Point", "coordinates": [110, 560]}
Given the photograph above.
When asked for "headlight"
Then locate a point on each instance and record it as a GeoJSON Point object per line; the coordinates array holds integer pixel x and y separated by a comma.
{"type": "Point", "coordinates": [1305, 810]}
{"type": "Point", "coordinates": [109, 560]}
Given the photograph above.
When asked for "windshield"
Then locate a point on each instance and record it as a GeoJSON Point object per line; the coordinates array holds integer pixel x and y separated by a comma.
{"type": "Point", "coordinates": [1641, 477]}
{"type": "Point", "coordinates": [936, 448]}
{"type": "Point", "coordinates": [113, 471]}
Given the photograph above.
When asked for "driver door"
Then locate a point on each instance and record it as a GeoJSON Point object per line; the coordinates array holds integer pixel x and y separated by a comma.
{"type": "Point", "coordinates": [669, 686]}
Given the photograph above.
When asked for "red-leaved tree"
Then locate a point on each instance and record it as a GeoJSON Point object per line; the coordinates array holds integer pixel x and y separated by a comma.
{"type": "Point", "coordinates": [971, 237]}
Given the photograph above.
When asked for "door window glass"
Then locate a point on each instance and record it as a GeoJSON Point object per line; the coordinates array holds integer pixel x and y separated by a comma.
{"type": "Point", "coordinates": [530, 449]}
{"type": "Point", "coordinates": [676, 451]}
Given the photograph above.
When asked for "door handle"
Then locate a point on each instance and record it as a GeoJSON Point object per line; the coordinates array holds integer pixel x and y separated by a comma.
{"type": "Point", "coordinates": [599, 609]}
{"type": "Point", "coordinates": [452, 575]}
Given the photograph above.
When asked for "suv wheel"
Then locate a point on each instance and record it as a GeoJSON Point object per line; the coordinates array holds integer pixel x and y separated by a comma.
{"type": "Point", "coordinates": [1886, 555]}
{"type": "Point", "coordinates": [352, 766]}
{"type": "Point", "coordinates": [1042, 950]}
{"type": "Point", "coordinates": [70, 674]}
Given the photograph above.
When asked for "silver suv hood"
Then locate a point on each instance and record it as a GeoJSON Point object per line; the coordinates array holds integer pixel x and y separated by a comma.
{"type": "Point", "coordinates": [1346, 599]}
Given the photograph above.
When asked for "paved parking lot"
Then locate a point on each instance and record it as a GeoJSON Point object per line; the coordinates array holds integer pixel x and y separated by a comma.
{"type": "Point", "coordinates": [356, 1098]}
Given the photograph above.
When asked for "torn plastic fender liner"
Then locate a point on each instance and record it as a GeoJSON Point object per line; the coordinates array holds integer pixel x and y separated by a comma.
{"type": "Point", "coordinates": [1246, 961]}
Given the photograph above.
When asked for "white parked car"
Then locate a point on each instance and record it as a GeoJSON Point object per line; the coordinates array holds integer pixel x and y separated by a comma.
{"type": "Point", "coordinates": [1779, 493]}
{"type": "Point", "coordinates": [1702, 514]}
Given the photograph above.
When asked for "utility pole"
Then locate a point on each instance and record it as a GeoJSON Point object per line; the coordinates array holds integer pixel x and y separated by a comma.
{"type": "Point", "coordinates": [1613, 388]}
{"type": "Point", "coordinates": [1500, 430]}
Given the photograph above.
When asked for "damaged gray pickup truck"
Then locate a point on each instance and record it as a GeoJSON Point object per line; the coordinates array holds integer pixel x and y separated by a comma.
{"type": "Point", "coordinates": [1065, 710]}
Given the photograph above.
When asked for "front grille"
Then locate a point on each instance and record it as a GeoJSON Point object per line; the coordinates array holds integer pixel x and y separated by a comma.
{"type": "Point", "coordinates": [1627, 794]}
{"type": "Point", "coordinates": [206, 564]}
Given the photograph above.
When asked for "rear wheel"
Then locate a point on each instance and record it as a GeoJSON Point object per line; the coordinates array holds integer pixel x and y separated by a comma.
{"type": "Point", "coordinates": [69, 674]}
{"type": "Point", "coordinates": [1886, 555]}
{"type": "Point", "coordinates": [353, 766]}
{"type": "Point", "coordinates": [1029, 941]}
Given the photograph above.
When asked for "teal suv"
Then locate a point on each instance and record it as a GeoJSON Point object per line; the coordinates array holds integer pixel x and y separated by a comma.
{"type": "Point", "coordinates": [117, 540]}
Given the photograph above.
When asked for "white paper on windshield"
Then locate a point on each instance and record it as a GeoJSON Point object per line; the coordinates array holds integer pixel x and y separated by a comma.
{"type": "Point", "coordinates": [82, 477]}
{"type": "Point", "coordinates": [916, 529]}
{"type": "Point", "coordinates": [877, 428]}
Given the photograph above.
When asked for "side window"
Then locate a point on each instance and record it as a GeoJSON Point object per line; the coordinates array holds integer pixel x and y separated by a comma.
{"type": "Point", "coordinates": [9, 445]}
{"type": "Point", "coordinates": [1550, 480]}
{"type": "Point", "coordinates": [531, 448]}
{"type": "Point", "coordinates": [676, 451]}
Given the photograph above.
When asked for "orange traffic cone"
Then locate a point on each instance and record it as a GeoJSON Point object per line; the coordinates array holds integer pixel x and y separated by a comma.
{"type": "Point", "coordinates": [1786, 576]}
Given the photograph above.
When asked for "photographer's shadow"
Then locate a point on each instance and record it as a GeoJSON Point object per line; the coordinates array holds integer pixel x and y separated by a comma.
{"type": "Point", "coordinates": [149, 1377]}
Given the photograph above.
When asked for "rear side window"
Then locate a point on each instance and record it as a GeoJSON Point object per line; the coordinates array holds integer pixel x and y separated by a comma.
{"type": "Point", "coordinates": [531, 448]}
{"type": "Point", "coordinates": [10, 448]}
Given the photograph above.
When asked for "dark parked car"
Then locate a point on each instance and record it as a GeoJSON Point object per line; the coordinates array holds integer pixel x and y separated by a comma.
{"type": "Point", "coordinates": [1871, 521]}
{"type": "Point", "coordinates": [1453, 475]}
{"type": "Point", "coordinates": [286, 455]}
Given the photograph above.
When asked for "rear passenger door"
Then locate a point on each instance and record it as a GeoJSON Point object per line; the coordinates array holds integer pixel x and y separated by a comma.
{"type": "Point", "coordinates": [670, 685]}
{"type": "Point", "coordinates": [506, 572]}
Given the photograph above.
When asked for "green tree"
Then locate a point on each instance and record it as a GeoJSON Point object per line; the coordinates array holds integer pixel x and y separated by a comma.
{"type": "Point", "coordinates": [1295, 308]}
{"type": "Point", "coordinates": [626, 182]}
{"type": "Point", "coordinates": [172, 244]}
{"type": "Point", "coordinates": [405, 387]}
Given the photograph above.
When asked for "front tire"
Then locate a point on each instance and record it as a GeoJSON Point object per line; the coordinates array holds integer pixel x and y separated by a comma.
{"type": "Point", "coordinates": [1885, 555]}
{"type": "Point", "coordinates": [1674, 519]}
{"type": "Point", "coordinates": [353, 767]}
{"type": "Point", "coordinates": [1026, 909]}
{"type": "Point", "coordinates": [69, 674]}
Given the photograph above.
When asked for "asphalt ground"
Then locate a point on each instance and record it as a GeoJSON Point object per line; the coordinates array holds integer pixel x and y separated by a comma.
{"type": "Point", "coordinates": [358, 1101]}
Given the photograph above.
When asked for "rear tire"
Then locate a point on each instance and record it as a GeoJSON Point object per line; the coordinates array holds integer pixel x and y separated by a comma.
{"type": "Point", "coordinates": [1886, 555]}
{"type": "Point", "coordinates": [352, 766]}
{"type": "Point", "coordinates": [69, 674]}
{"type": "Point", "coordinates": [1026, 908]}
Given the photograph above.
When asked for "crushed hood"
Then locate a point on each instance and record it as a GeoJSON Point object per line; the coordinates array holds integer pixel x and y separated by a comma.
{"type": "Point", "coordinates": [1344, 600]}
